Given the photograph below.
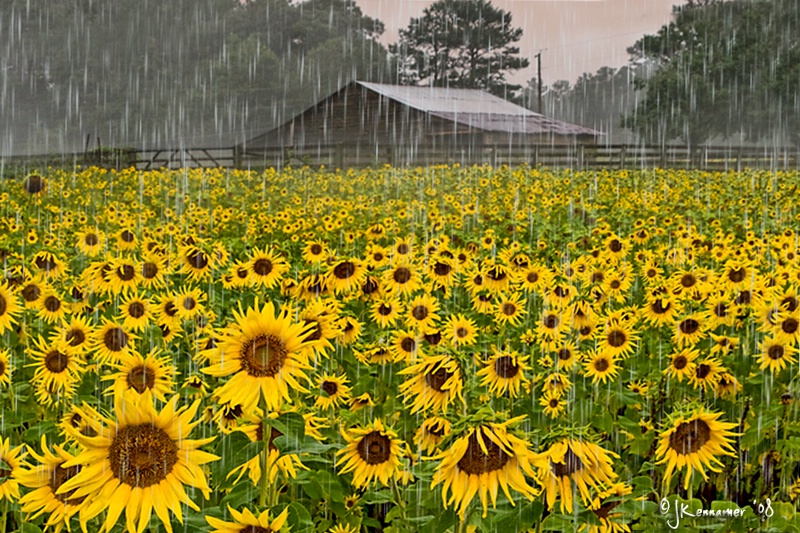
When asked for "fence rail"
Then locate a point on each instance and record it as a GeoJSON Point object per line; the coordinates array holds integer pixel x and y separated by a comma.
{"type": "Point", "coordinates": [340, 155]}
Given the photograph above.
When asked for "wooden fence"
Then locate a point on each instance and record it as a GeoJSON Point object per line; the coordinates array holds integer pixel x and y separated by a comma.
{"type": "Point", "coordinates": [344, 156]}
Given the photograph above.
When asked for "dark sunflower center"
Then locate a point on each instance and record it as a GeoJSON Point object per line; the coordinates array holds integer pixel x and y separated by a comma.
{"type": "Point", "coordinates": [75, 337]}
{"type": "Point", "coordinates": [601, 364]}
{"type": "Point", "coordinates": [51, 303]}
{"type": "Point", "coordinates": [441, 269]}
{"type": "Point", "coordinates": [197, 259]}
{"type": "Point", "coordinates": [436, 380]}
{"type": "Point", "coordinates": [377, 257]}
{"type": "Point", "coordinates": [743, 298]}
{"type": "Point", "coordinates": [509, 309]}
{"type": "Point", "coordinates": [659, 307]}
{"type": "Point", "coordinates": [680, 362]}
{"type": "Point", "coordinates": [702, 371]}
{"type": "Point", "coordinates": [149, 270]}
{"type": "Point", "coordinates": [2, 369]}
{"type": "Point", "coordinates": [408, 344]}
{"type": "Point", "coordinates": [506, 367]}
{"type": "Point", "coordinates": [370, 286]}
{"type": "Point", "coordinates": [385, 310]}
{"type": "Point", "coordinates": [91, 239]}
{"type": "Point", "coordinates": [689, 326]}
{"type": "Point", "coordinates": [560, 291]}
{"type": "Point", "coordinates": [77, 293]}
{"type": "Point", "coordinates": [241, 273]}
{"type": "Point", "coordinates": [791, 303]}
{"type": "Point", "coordinates": [170, 309]}
{"type": "Point", "coordinates": [189, 303]}
{"type": "Point", "coordinates": [461, 332]}
{"type": "Point", "coordinates": [262, 266]}
{"type": "Point", "coordinates": [615, 245]}
{"type": "Point", "coordinates": [34, 184]}
{"type": "Point", "coordinates": [598, 277]}
{"type": "Point", "coordinates": [737, 274]}
{"type": "Point", "coordinates": [126, 272]}
{"type": "Point", "coordinates": [775, 352]}
{"type": "Point", "coordinates": [790, 325]}
{"type": "Point", "coordinates": [344, 270]}
{"type": "Point", "coordinates": [45, 263]}
{"type": "Point", "coordinates": [263, 356]}
{"type": "Point", "coordinates": [401, 275]}
{"type": "Point", "coordinates": [330, 387]}
{"type": "Point", "coordinates": [617, 338]}
{"type": "Point", "coordinates": [616, 284]}
{"type": "Point", "coordinates": [136, 309]}
{"type": "Point", "coordinates": [316, 331]}
{"type": "Point", "coordinates": [532, 277]}
{"type": "Point", "coordinates": [127, 236]}
{"type": "Point", "coordinates": [58, 476]}
{"type": "Point", "coordinates": [651, 272]}
{"type": "Point", "coordinates": [476, 462]}
{"type": "Point", "coordinates": [721, 310]}
{"type": "Point", "coordinates": [141, 378]}
{"type": "Point", "coordinates": [420, 312]}
{"type": "Point", "coordinates": [435, 430]}
{"type": "Point", "coordinates": [565, 354]}
{"type": "Point", "coordinates": [551, 321]}
{"type": "Point", "coordinates": [553, 403]}
{"type": "Point", "coordinates": [142, 455]}
{"type": "Point", "coordinates": [570, 465]}
{"type": "Point", "coordinates": [433, 338]}
{"type": "Point", "coordinates": [115, 339]}
{"type": "Point", "coordinates": [232, 413]}
{"type": "Point", "coordinates": [402, 248]}
{"type": "Point", "coordinates": [485, 298]}
{"type": "Point", "coordinates": [688, 280]}
{"type": "Point", "coordinates": [316, 249]}
{"type": "Point", "coordinates": [374, 448]}
{"type": "Point", "coordinates": [689, 437]}
{"type": "Point", "coordinates": [56, 361]}
{"type": "Point", "coordinates": [496, 274]}
{"type": "Point", "coordinates": [3, 305]}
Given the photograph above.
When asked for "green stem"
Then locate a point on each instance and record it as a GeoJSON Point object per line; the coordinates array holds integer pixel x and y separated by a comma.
{"type": "Point", "coordinates": [462, 525]}
{"type": "Point", "coordinates": [264, 485]}
{"type": "Point", "coordinates": [4, 515]}
{"type": "Point", "coordinates": [400, 502]}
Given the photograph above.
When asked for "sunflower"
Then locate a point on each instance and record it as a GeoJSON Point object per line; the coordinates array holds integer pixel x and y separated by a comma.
{"type": "Point", "coordinates": [152, 270]}
{"type": "Point", "coordinates": [497, 278]}
{"type": "Point", "coordinates": [479, 460]}
{"type": "Point", "coordinates": [460, 330]}
{"type": "Point", "coordinates": [321, 318]}
{"type": "Point", "coordinates": [51, 307]}
{"type": "Point", "coordinates": [441, 270]}
{"type": "Point", "coordinates": [788, 327]}
{"type": "Point", "coordinates": [246, 521]}
{"type": "Point", "coordinates": [346, 275]}
{"type": "Point", "coordinates": [45, 479]}
{"type": "Point", "coordinates": [371, 453]}
{"type": "Point", "coordinates": [422, 312]}
{"type": "Point", "coordinates": [11, 457]}
{"type": "Point", "coordinates": [433, 383]}
{"type": "Point", "coordinates": [57, 370]}
{"type": "Point", "coordinates": [661, 308]}
{"type": "Point", "coordinates": [431, 433]}
{"type": "Point", "coordinates": [333, 391]}
{"type": "Point", "coordinates": [706, 374]}
{"type": "Point", "coordinates": [682, 364]}
{"type": "Point", "coordinates": [189, 303]}
{"type": "Point", "coordinates": [312, 287]}
{"type": "Point", "coordinates": [570, 460]}
{"type": "Point", "coordinates": [553, 404]}
{"type": "Point", "coordinates": [349, 330]}
{"type": "Point", "coordinates": [137, 311]}
{"type": "Point", "coordinates": [136, 374]}
{"type": "Point", "coordinates": [122, 275]}
{"type": "Point", "coordinates": [509, 309]}
{"type": "Point", "coordinates": [384, 311]}
{"type": "Point", "coordinates": [690, 330]}
{"type": "Point", "coordinates": [31, 293]}
{"type": "Point", "coordinates": [406, 345]}
{"type": "Point", "coordinates": [504, 372]}
{"type": "Point", "coordinates": [727, 385]}
{"type": "Point", "coordinates": [126, 240]}
{"type": "Point", "coordinates": [483, 302]}
{"type": "Point", "coordinates": [601, 366]}
{"type": "Point", "coordinates": [694, 440]}
{"type": "Point", "coordinates": [314, 252]}
{"type": "Point", "coordinates": [775, 354]}
{"type": "Point", "coordinates": [195, 262]}
{"type": "Point", "coordinates": [617, 339]}
{"type": "Point", "coordinates": [610, 521]}
{"type": "Point", "coordinates": [138, 462]}
{"type": "Point", "coordinates": [48, 264]}
{"type": "Point", "coordinates": [9, 307]}
{"type": "Point", "coordinates": [401, 279]}
{"type": "Point", "coordinates": [566, 355]}
{"type": "Point", "coordinates": [265, 352]}
{"type": "Point", "coordinates": [111, 341]}
{"type": "Point", "coordinates": [6, 368]}
{"type": "Point", "coordinates": [266, 268]}
{"type": "Point", "coordinates": [535, 277]}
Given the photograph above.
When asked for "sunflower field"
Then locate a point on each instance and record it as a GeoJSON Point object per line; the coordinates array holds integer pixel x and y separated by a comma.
{"type": "Point", "coordinates": [400, 350]}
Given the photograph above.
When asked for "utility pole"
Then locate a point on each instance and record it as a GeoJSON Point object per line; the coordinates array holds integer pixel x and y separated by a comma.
{"type": "Point", "coordinates": [539, 77]}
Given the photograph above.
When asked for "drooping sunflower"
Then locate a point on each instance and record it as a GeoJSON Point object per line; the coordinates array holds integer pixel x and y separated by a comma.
{"type": "Point", "coordinates": [136, 374]}
{"type": "Point", "coordinates": [45, 479]}
{"type": "Point", "coordinates": [431, 433]}
{"type": "Point", "coordinates": [478, 462]}
{"type": "Point", "coordinates": [371, 454]}
{"type": "Point", "coordinates": [695, 441]}
{"type": "Point", "coordinates": [571, 460]}
{"type": "Point", "coordinates": [6, 369]}
{"type": "Point", "coordinates": [267, 353]}
{"type": "Point", "coordinates": [504, 372]}
{"type": "Point", "coordinates": [49, 264]}
{"type": "Point", "coordinates": [266, 268]}
{"type": "Point", "coordinates": [246, 522]}
{"type": "Point", "coordinates": [9, 485]}
{"type": "Point", "coordinates": [706, 374]}
{"type": "Point", "coordinates": [433, 383]}
{"type": "Point", "coordinates": [661, 309]}
{"type": "Point", "coordinates": [138, 462]}
{"type": "Point", "coordinates": [9, 307]}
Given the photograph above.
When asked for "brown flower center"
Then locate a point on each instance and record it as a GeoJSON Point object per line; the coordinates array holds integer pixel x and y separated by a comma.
{"type": "Point", "coordinates": [565, 354]}
{"type": "Point", "coordinates": [149, 270]}
{"type": "Point", "coordinates": [615, 246]}
{"type": "Point", "coordinates": [441, 269]}
{"type": "Point", "coordinates": [689, 326]}
{"type": "Point", "coordinates": [496, 273]}
{"type": "Point", "coordinates": [721, 310]}
{"type": "Point", "coordinates": [136, 309]}
{"type": "Point", "coordinates": [56, 361]}
{"type": "Point", "coordinates": [34, 184]}
{"type": "Point", "coordinates": [115, 339]}
{"type": "Point", "coordinates": [420, 312]}
{"type": "Point", "coordinates": [330, 387]}
{"type": "Point", "coordinates": [384, 310]}
{"type": "Point", "coordinates": [791, 303]}
{"type": "Point", "coordinates": [344, 270]}
{"type": "Point", "coordinates": [702, 371]}
{"type": "Point", "coordinates": [263, 356]}
{"type": "Point", "coordinates": [689, 437]}
{"type": "Point", "coordinates": [617, 338]}
{"type": "Point", "coordinates": [58, 477]}
{"type": "Point", "coordinates": [550, 321]}
{"type": "Point", "coordinates": [315, 249]}
{"type": "Point", "coordinates": [197, 259]}
{"type": "Point", "coordinates": [737, 274]}
{"type": "Point", "coordinates": [315, 332]}
{"type": "Point", "coordinates": [142, 455]}
{"type": "Point", "coordinates": [506, 367]}
{"type": "Point", "coordinates": [75, 337]}
{"type": "Point", "coordinates": [680, 362]}
{"type": "Point", "coordinates": [262, 266]}
{"type": "Point", "coordinates": [51, 303]}
{"type": "Point", "coordinates": [790, 326]}
{"type": "Point", "coordinates": [126, 272]}
{"type": "Point", "coordinates": [775, 351]}
{"type": "Point", "coordinates": [436, 380]}
{"type": "Point", "coordinates": [408, 344]}
{"type": "Point", "coordinates": [141, 378]}
{"type": "Point", "coordinates": [45, 262]}
{"type": "Point", "coordinates": [461, 332]}
{"type": "Point", "coordinates": [91, 239]}
{"type": "Point", "coordinates": [476, 462]}
{"type": "Point", "coordinates": [601, 364]}
{"type": "Point", "coordinates": [402, 248]}
{"type": "Point", "coordinates": [370, 286]}
{"type": "Point", "coordinates": [571, 464]}
{"type": "Point", "coordinates": [374, 448]}
{"type": "Point", "coordinates": [688, 281]}
{"type": "Point", "coordinates": [509, 309]}
{"type": "Point", "coordinates": [401, 275]}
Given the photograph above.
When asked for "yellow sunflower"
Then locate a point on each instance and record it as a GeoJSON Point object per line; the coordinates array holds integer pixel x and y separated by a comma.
{"type": "Point", "coordinates": [509, 309]}
{"type": "Point", "coordinates": [504, 372]}
{"type": "Point", "coordinates": [346, 275]}
{"type": "Point", "coordinates": [422, 312]}
{"type": "Point", "coordinates": [6, 368]}
{"type": "Point", "coordinates": [90, 242]}
{"type": "Point", "coordinates": [111, 341]}
{"type": "Point", "coordinates": [776, 353]}
{"type": "Point", "coordinates": [600, 367]}
{"type": "Point", "coordinates": [433, 383]}
{"type": "Point", "coordinates": [267, 354]}
{"type": "Point", "coordinates": [195, 262]}
{"type": "Point", "coordinates": [12, 457]}
{"type": "Point", "coordinates": [57, 370]}
{"type": "Point", "coordinates": [9, 308]}
{"type": "Point", "coordinates": [403, 278]}
{"type": "Point", "coordinates": [246, 521]}
{"type": "Point", "coordinates": [431, 433]}
{"type": "Point", "coordinates": [682, 364]}
{"type": "Point", "coordinates": [138, 462]}
{"type": "Point", "coordinates": [569, 461]}
{"type": "Point", "coordinates": [51, 307]}
{"type": "Point", "coordinates": [333, 391]}
{"type": "Point", "coordinates": [553, 404]}
{"type": "Point", "coordinates": [478, 462]}
{"type": "Point", "coordinates": [460, 330]}
{"type": "Point", "coordinates": [266, 268]}
{"type": "Point", "coordinates": [372, 454]}
{"type": "Point", "coordinates": [137, 312]}
{"type": "Point", "coordinates": [694, 441]}
{"type": "Point", "coordinates": [136, 374]}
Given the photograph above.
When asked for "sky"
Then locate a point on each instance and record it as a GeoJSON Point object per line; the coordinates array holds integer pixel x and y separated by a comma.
{"type": "Point", "coordinates": [576, 36]}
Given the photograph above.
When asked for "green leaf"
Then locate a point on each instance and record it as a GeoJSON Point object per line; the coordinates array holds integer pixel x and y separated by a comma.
{"type": "Point", "coordinates": [293, 428]}
{"type": "Point", "coordinates": [300, 518]}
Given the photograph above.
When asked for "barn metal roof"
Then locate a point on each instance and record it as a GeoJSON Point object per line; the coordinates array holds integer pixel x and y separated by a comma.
{"type": "Point", "coordinates": [476, 109]}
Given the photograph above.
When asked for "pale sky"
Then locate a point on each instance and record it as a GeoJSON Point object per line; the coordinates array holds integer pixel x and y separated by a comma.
{"type": "Point", "coordinates": [577, 35]}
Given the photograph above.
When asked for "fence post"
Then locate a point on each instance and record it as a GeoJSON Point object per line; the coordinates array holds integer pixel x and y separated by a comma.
{"type": "Point", "coordinates": [622, 154]}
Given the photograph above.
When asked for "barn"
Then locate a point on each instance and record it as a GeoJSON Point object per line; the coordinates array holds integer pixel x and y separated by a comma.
{"type": "Point", "coordinates": [367, 123]}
